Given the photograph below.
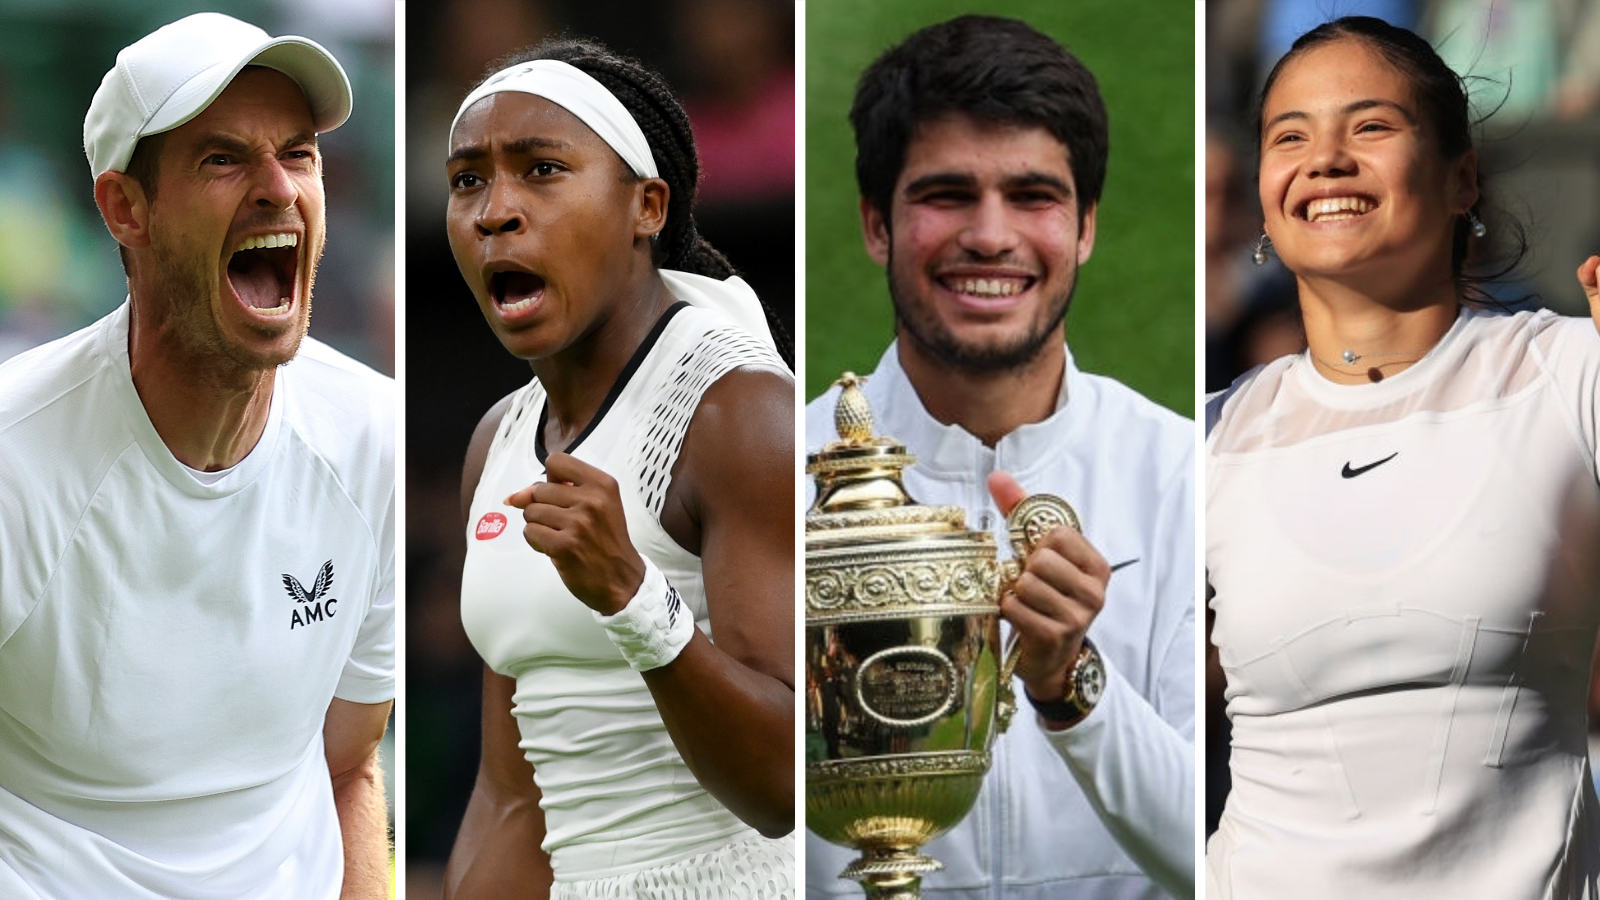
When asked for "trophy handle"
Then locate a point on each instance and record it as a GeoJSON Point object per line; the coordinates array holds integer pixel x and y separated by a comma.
{"type": "Point", "coordinates": [1007, 697]}
{"type": "Point", "coordinates": [1026, 526]}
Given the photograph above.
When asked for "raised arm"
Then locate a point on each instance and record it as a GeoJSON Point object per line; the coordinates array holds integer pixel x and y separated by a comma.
{"type": "Point", "coordinates": [497, 853]}
{"type": "Point", "coordinates": [1133, 756]}
{"type": "Point", "coordinates": [728, 706]}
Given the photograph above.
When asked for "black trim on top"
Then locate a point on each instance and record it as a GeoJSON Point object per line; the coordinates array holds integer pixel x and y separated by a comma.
{"type": "Point", "coordinates": [617, 386]}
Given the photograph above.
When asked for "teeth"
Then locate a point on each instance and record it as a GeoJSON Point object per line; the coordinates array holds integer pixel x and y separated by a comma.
{"type": "Point", "coordinates": [987, 287]}
{"type": "Point", "coordinates": [280, 309]}
{"type": "Point", "coordinates": [1335, 208]}
{"type": "Point", "coordinates": [269, 241]}
{"type": "Point", "coordinates": [520, 305]}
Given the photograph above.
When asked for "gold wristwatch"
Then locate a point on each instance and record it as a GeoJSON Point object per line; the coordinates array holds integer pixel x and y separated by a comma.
{"type": "Point", "coordinates": [1086, 684]}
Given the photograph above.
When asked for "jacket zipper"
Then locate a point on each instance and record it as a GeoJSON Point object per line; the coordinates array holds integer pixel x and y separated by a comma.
{"type": "Point", "coordinates": [997, 771]}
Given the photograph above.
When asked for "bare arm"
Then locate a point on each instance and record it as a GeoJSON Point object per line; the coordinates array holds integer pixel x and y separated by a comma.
{"type": "Point", "coordinates": [350, 735]}
{"type": "Point", "coordinates": [497, 853]}
{"type": "Point", "coordinates": [728, 706]}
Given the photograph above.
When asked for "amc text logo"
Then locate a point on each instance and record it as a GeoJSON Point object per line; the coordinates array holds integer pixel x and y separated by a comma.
{"type": "Point", "coordinates": [309, 606]}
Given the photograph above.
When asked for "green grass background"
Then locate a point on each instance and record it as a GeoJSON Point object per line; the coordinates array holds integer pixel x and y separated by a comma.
{"type": "Point", "coordinates": [1133, 314]}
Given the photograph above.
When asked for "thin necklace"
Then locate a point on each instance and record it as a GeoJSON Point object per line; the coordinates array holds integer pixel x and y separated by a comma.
{"type": "Point", "coordinates": [1374, 372]}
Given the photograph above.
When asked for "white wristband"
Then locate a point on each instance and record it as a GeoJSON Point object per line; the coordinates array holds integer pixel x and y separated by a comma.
{"type": "Point", "coordinates": [654, 627]}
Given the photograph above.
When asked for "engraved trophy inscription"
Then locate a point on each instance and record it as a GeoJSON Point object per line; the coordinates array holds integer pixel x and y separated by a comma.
{"type": "Point", "coordinates": [906, 684]}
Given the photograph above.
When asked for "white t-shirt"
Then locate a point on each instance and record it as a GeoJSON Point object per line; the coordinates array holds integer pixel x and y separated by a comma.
{"type": "Point", "coordinates": [169, 648]}
{"type": "Point", "coordinates": [1104, 810]}
{"type": "Point", "coordinates": [617, 796]}
{"type": "Point", "coordinates": [1407, 581]}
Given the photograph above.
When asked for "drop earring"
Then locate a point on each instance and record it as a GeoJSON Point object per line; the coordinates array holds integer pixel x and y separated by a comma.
{"type": "Point", "coordinates": [1259, 257]}
{"type": "Point", "coordinates": [1475, 225]}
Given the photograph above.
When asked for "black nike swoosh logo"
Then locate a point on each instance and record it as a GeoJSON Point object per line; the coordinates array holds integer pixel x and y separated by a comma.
{"type": "Point", "coordinates": [1124, 565]}
{"type": "Point", "coordinates": [1348, 472]}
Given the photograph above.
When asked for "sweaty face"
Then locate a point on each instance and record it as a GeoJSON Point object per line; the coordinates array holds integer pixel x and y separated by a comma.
{"type": "Point", "coordinates": [1352, 181]}
{"type": "Point", "coordinates": [542, 221]}
{"type": "Point", "coordinates": [236, 226]}
{"type": "Point", "coordinates": [985, 242]}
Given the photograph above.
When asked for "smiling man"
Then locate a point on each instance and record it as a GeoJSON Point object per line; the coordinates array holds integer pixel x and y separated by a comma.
{"type": "Point", "coordinates": [197, 514]}
{"type": "Point", "coordinates": [981, 153]}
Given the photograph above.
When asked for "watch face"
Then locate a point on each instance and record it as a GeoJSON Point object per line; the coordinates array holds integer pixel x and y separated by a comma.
{"type": "Point", "coordinates": [1091, 682]}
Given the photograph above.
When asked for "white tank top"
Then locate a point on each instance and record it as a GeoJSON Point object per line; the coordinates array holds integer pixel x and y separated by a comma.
{"type": "Point", "coordinates": [617, 796]}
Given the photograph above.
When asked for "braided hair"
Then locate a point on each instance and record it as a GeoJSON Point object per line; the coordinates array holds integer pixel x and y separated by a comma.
{"type": "Point", "coordinates": [666, 127]}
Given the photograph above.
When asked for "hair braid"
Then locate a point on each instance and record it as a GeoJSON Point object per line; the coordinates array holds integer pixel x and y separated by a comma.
{"type": "Point", "coordinates": [666, 128]}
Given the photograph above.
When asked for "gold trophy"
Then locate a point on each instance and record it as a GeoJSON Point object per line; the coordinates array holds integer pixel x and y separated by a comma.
{"type": "Point", "coordinates": [906, 687]}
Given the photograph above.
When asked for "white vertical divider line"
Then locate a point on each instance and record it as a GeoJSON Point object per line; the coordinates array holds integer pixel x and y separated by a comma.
{"type": "Point", "coordinates": [800, 440]}
{"type": "Point", "coordinates": [398, 801]}
{"type": "Point", "coordinates": [1199, 431]}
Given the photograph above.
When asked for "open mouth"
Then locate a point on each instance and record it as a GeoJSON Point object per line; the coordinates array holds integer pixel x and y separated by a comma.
{"type": "Point", "coordinates": [514, 292]}
{"type": "Point", "coordinates": [263, 272]}
{"type": "Point", "coordinates": [1337, 209]}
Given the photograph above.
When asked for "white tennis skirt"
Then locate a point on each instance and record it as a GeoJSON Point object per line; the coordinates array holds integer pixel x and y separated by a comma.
{"type": "Point", "coordinates": [756, 869]}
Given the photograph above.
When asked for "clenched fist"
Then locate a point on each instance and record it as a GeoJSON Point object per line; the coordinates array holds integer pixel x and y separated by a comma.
{"type": "Point", "coordinates": [575, 518]}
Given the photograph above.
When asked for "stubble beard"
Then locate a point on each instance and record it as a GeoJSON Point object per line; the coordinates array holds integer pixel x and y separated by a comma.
{"type": "Point", "coordinates": [186, 282]}
{"type": "Point", "coordinates": [926, 330]}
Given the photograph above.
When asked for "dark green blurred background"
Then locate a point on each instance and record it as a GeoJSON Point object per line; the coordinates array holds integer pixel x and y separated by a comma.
{"type": "Point", "coordinates": [1134, 312]}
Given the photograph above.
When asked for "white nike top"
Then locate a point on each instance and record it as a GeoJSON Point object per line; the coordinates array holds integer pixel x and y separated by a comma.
{"type": "Point", "coordinates": [617, 796]}
{"type": "Point", "coordinates": [1104, 810]}
{"type": "Point", "coordinates": [162, 687]}
{"type": "Point", "coordinates": [1407, 581]}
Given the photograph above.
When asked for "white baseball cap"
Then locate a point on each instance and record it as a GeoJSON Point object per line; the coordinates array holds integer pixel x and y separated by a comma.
{"type": "Point", "coordinates": [172, 74]}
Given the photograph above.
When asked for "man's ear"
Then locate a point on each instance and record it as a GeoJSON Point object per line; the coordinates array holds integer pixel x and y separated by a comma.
{"type": "Point", "coordinates": [124, 208]}
{"type": "Point", "coordinates": [875, 231]}
{"type": "Point", "coordinates": [653, 202]}
{"type": "Point", "coordinates": [1086, 233]}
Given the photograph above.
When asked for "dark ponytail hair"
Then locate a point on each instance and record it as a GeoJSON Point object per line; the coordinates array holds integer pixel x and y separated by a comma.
{"type": "Point", "coordinates": [666, 128]}
{"type": "Point", "coordinates": [1443, 105]}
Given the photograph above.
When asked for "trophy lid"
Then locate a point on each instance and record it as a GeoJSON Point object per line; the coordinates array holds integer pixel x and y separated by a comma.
{"type": "Point", "coordinates": [861, 498]}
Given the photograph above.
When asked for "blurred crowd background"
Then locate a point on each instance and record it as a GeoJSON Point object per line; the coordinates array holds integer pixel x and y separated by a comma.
{"type": "Point", "coordinates": [58, 265]}
{"type": "Point", "coordinates": [1533, 70]}
{"type": "Point", "coordinates": [732, 64]}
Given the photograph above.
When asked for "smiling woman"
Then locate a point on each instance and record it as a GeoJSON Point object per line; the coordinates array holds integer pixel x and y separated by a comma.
{"type": "Point", "coordinates": [651, 461]}
{"type": "Point", "coordinates": [1403, 520]}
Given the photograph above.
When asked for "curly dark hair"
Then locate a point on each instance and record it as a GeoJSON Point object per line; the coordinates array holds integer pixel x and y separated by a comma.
{"type": "Point", "coordinates": [997, 71]}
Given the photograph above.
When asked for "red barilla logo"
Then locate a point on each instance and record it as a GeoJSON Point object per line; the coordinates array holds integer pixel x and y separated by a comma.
{"type": "Point", "coordinates": [490, 526]}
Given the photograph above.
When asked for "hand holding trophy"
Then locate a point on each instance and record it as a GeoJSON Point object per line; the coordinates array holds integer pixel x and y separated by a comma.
{"type": "Point", "coordinates": [1058, 584]}
{"type": "Point", "coordinates": [906, 689]}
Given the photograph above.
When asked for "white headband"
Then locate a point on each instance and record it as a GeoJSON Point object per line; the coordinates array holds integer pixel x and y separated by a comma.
{"type": "Point", "coordinates": [575, 91]}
